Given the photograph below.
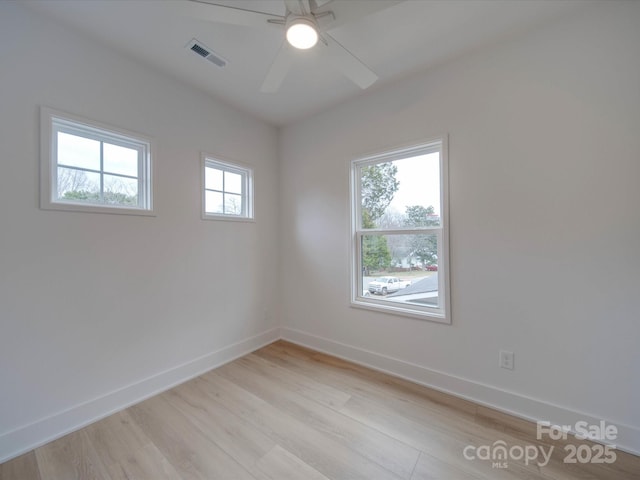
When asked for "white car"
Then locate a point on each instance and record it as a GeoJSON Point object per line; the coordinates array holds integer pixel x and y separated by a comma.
{"type": "Point", "coordinates": [384, 285]}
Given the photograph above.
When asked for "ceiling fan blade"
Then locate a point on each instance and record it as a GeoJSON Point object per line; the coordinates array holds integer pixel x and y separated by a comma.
{"type": "Point", "coordinates": [298, 7]}
{"type": "Point", "coordinates": [277, 72]}
{"type": "Point", "coordinates": [218, 13]}
{"type": "Point", "coordinates": [347, 63]}
{"type": "Point", "coordinates": [346, 11]}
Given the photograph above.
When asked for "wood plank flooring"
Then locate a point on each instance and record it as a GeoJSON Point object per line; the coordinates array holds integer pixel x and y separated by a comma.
{"type": "Point", "coordinates": [289, 413]}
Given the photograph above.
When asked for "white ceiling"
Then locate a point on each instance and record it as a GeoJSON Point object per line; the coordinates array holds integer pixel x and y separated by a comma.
{"type": "Point", "coordinates": [410, 36]}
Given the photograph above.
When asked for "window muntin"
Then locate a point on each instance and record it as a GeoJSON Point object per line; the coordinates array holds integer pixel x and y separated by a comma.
{"type": "Point", "coordinates": [93, 168]}
{"type": "Point", "coordinates": [399, 218]}
{"type": "Point", "coordinates": [227, 190]}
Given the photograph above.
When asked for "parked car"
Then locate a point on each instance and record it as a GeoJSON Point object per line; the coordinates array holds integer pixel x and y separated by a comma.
{"type": "Point", "coordinates": [384, 285]}
{"type": "Point", "coordinates": [431, 268]}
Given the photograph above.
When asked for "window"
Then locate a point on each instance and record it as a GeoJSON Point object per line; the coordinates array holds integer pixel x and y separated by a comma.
{"type": "Point", "coordinates": [227, 190]}
{"type": "Point", "coordinates": [93, 168]}
{"type": "Point", "coordinates": [400, 232]}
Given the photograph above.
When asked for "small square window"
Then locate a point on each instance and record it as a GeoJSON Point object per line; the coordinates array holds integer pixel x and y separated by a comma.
{"type": "Point", "coordinates": [227, 190]}
{"type": "Point", "coordinates": [90, 167]}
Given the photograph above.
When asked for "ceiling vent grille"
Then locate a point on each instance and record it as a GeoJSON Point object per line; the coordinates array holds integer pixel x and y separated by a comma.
{"type": "Point", "coordinates": [203, 51]}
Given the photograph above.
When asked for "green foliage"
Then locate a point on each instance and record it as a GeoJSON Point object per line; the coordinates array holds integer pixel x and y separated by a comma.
{"type": "Point", "coordinates": [109, 198]}
{"type": "Point", "coordinates": [375, 253]}
{"type": "Point", "coordinates": [81, 195]}
{"type": "Point", "coordinates": [378, 186]}
{"type": "Point", "coordinates": [419, 216]}
{"type": "Point", "coordinates": [424, 246]}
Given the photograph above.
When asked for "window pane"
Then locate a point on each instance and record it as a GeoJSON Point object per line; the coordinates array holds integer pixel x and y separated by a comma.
{"type": "Point", "coordinates": [232, 182]}
{"type": "Point", "coordinates": [120, 160]}
{"type": "Point", "coordinates": [213, 202]}
{"type": "Point", "coordinates": [227, 190]}
{"type": "Point", "coordinates": [401, 268]}
{"type": "Point", "coordinates": [213, 179]}
{"type": "Point", "coordinates": [90, 168]}
{"type": "Point", "coordinates": [401, 193]}
{"type": "Point", "coordinates": [120, 190]}
{"type": "Point", "coordinates": [74, 151]}
{"type": "Point", "coordinates": [232, 204]}
{"type": "Point", "coordinates": [78, 185]}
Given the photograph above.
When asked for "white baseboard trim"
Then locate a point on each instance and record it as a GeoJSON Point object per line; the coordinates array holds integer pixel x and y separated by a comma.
{"type": "Point", "coordinates": [26, 438]}
{"type": "Point", "coordinates": [508, 402]}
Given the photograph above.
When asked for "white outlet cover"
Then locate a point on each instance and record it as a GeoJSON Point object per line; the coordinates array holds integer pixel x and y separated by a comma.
{"type": "Point", "coordinates": [506, 359]}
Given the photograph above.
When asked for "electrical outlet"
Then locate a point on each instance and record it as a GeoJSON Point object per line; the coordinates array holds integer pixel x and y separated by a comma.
{"type": "Point", "coordinates": [506, 359]}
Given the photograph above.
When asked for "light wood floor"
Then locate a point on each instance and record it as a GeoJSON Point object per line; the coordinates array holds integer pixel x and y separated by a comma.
{"type": "Point", "coordinates": [285, 412]}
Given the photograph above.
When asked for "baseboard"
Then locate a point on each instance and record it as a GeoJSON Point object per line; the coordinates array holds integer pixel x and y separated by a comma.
{"type": "Point", "coordinates": [28, 437]}
{"type": "Point", "coordinates": [512, 403]}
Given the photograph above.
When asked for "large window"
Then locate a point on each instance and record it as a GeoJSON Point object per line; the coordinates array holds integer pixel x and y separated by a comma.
{"type": "Point", "coordinates": [400, 232]}
{"type": "Point", "coordinates": [90, 167]}
{"type": "Point", "coordinates": [227, 190]}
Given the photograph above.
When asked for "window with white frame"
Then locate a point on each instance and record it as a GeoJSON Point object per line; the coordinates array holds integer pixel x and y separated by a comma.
{"type": "Point", "coordinates": [90, 167]}
{"type": "Point", "coordinates": [227, 190]}
{"type": "Point", "coordinates": [400, 258]}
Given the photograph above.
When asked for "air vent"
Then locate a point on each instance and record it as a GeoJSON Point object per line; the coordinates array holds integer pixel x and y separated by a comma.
{"type": "Point", "coordinates": [202, 50]}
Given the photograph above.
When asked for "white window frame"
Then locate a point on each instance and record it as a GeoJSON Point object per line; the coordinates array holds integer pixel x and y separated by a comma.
{"type": "Point", "coordinates": [246, 172]}
{"type": "Point", "coordinates": [441, 314]}
{"type": "Point", "coordinates": [54, 121]}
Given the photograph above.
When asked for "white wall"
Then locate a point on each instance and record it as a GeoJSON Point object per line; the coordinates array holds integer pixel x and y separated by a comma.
{"type": "Point", "coordinates": [544, 153]}
{"type": "Point", "coordinates": [97, 311]}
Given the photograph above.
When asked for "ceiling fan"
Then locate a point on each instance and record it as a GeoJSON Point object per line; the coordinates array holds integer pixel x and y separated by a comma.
{"type": "Point", "coordinates": [306, 25]}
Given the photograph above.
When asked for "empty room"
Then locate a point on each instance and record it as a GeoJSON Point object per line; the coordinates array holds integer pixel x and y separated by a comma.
{"type": "Point", "coordinates": [319, 239]}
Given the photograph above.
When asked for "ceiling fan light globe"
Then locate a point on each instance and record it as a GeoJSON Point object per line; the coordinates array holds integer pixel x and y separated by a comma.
{"type": "Point", "coordinates": [302, 34]}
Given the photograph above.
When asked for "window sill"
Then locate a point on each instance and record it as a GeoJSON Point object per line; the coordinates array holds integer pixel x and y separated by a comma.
{"type": "Point", "coordinates": [229, 218]}
{"type": "Point", "coordinates": [110, 210]}
{"type": "Point", "coordinates": [375, 306]}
